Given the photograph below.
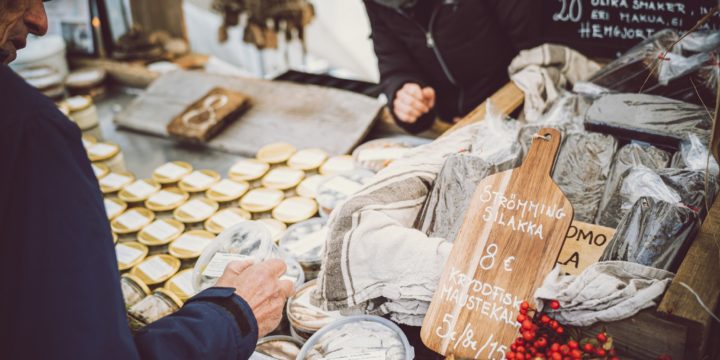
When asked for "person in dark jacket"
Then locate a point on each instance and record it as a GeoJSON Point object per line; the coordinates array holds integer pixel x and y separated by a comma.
{"type": "Point", "coordinates": [61, 297]}
{"type": "Point", "coordinates": [442, 58]}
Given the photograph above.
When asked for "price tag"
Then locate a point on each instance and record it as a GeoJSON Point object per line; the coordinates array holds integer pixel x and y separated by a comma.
{"type": "Point", "coordinates": [219, 262]}
{"type": "Point", "coordinates": [165, 198]}
{"type": "Point", "coordinates": [132, 220]}
{"type": "Point", "coordinates": [382, 154]}
{"type": "Point", "coordinates": [342, 185]}
{"type": "Point", "coordinates": [114, 180]}
{"type": "Point", "coordinates": [193, 244]}
{"type": "Point", "coordinates": [228, 188]}
{"type": "Point", "coordinates": [111, 208]}
{"type": "Point", "coordinates": [161, 230]}
{"type": "Point", "coordinates": [102, 150]}
{"type": "Point", "coordinates": [197, 209]}
{"type": "Point", "coordinates": [171, 171]}
{"type": "Point", "coordinates": [155, 268]}
{"type": "Point", "coordinates": [184, 283]}
{"type": "Point", "coordinates": [307, 243]}
{"type": "Point", "coordinates": [126, 255]}
{"type": "Point", "coordinates": [198, 180]}
{"type": "Point", "coordinates": [140, 189]}
{"type": "Point", "coordinates": [227, 219]}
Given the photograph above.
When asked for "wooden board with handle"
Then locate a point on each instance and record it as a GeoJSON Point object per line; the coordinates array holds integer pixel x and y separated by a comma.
{"type": "Point", "coordinates": [511, 238]}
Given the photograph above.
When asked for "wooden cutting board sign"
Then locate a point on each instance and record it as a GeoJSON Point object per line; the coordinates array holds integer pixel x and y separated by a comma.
{"type": "Point", "coordinates": [511, 238]}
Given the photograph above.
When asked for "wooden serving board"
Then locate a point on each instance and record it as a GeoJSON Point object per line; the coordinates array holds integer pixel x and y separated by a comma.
{"type": "Point", "coordinates": [511, 238]}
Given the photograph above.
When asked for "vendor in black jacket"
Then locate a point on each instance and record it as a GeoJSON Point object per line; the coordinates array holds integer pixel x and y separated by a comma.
{"type": "Point", "coordinates": [442, 58]}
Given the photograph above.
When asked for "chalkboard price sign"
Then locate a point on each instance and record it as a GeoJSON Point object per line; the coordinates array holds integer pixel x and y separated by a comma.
{"type": "Point", "coordinates": [608, 27]}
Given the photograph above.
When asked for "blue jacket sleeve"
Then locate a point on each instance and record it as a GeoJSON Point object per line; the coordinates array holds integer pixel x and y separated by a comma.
{"type": "Point", "coordinates": [215, 324]}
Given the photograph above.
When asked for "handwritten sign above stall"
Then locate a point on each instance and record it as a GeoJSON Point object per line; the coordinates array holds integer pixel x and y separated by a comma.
{"type": "Point", "coordinates": [606, 27]}
{"type": "Point", "coordinates": [511, 237]}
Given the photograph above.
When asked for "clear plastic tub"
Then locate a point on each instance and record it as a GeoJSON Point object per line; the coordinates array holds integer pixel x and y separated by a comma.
{"type": "Point", "coordinates": [304, 242]}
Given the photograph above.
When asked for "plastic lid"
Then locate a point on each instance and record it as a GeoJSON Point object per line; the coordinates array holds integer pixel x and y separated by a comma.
{"type": "Point", "coordinates": [100, 170]}
{"type": "Point", "coordinates": [171, 172]}
{"type": "Point", "coordinates": [225, 219]}
{"type": "Point", "coordinates": [338, 165]}
{"type": "Point", "coordinates": [132, 220]}
{"type": "Point", "coordinates": [102, 151]}
{"type": "Point", "coordinates": [190, 244]}
{"type": "Point", "coordinates": [277, 228]}
{"type": "Point", "coordinates": [85, 78]}
{"type": "Point", "coordinates": [166, 199]}
{"type": "Point", "coordinates": [196, 210]}
{"type": "Point", "coordinates": [181, 285]}
{"type": "Point", "coordinates": [139, 190]}
{"type": "Point", "coordinates": [283, 178]}
{"type": "Point", "coordinates": [227, 190]}
{"type": "Point", "coordinates": [130, 254]}
{"type": "Point", "coordinates": [304, 241]}
{"type": "Point", "coordinates": [261, 200]}
{"type": "Point", "coordinates": [306, 316]}
{"type": "Point", "coordinates": [245, 241]}
{"type": "Point", "coordinates": [295, 209]}
{"type": "Point", "coordinates": [308, 159]}
{"type": "Point", "coordinates": [114, 207]}
{"type": "Point", "coordinates": [199, 180]}
{"type": "Point", "coordinates": [78, 103]}
{"type": "Point", "coordinates": [276, 153]}
{"type": "Point", "coordinates": [248, 170]}
{"type": "Point", "coordinates": [161, 232]}
{"type": "Point", "coordinates": [114, 181]}
{"type": "Point", "coordinates": [308, 187]}
{"type": "Point", "coordinates": [156, 269]}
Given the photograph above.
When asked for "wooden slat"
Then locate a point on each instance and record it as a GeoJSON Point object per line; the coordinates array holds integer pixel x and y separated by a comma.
{"type": "Point", "coordinates": [506, 100]}
{"type": "Point", "coordinates": [699, 271]}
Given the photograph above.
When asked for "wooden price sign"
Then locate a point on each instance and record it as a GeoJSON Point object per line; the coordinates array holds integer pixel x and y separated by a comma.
{"type": "Point", "coordinates": [584, 245]}
{"type": "Point", "coordinates": [513, 232]}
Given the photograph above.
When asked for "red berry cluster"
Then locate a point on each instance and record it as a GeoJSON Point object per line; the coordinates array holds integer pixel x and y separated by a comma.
{"type": "Point", "coordinates": [544, 338]}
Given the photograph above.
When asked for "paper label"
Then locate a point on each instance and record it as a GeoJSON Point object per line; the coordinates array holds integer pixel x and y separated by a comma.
{"type": "Point", "coordinates": [184, 283]}
{"type": "Point", "coordinates": [342, 185]}
{"type": "Point", "coordinates": [114, 180]}
{"type": "Point", "coordinates": [197, 209]}
{"type": "Point", "coordinates": [263, 198]}
{"type": "Point", "coordinates": [140, 189]}
{"type": "Point", "coordinates": [284, 176]}
{"type": "Point", "coordinates": [132, 220]}
{"type": "Point", "coordinates": [367, 355]}
{"type": "Point", "coordinates": [248, 168]}
{"type": "Point", "coordinates": [193, 244]}
{"type": "Point", "coordinates": [165, 198]}
{"type": "Point", "coordinates": [226, 219]}
{"type": "Point", "coordinates": [111, 208]}
{"type": "Point", "coordinates": [155, 268]}
{"type": "Point", "coordinates": [228, 188]}
{"type": "Point", "coordinates": [382, 154]}
{"type": "Point", "coordinates": [101, 150]}
{"type": "Point", "coordinates": [171, 171]}
{"type": "Point", "coordinates": [217, 265]}
{"type": "Point", "coordinates": [161, 230]}
{"type": "Point", "coordinates": [198, 180]}
{"type": "Point", "coordinates": [308, 242]}
{"type": "Point", "coordinates": [126, 255]}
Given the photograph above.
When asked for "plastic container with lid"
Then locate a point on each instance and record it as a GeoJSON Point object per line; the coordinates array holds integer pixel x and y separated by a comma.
{"type": "Point", "coordinates": [107, 154]}
{"type": "Point", "coordinates": [277, 347]}
{"type": "Point", "coordinates": [277, 228]}
{"type": "Point", "coordinates": [338, 165]}
{"type": "Point", "coordinates": [308, 159]}
{"type": "Point", "coordinates": [308, 187]}
{"type": "Point", "coordinates": [181, 285]}
{"type": "Point", "coordinates": [86, 81]}
{"type": "Point", "coordinates": [294, 273]}
{"type": "Point", "coordinates": [152, 308]}
{"type": "Point", "coordinates": [306, 318]}
{"type": "Point", "coordinates": [45, 79]}
{"type": "Point", "coordinates": [227, 191]}
{"type": "Point", "coordinates": [130, 254]}
{"type": "Point", "coordinates": [261, 201]}
{"type": "Point", "coordinates": [199, 181]}
{"type": "Point", "coordinates": [358, 337]}
{"type": "Point", "coordinates": [295, 209]}
{"type": "Point", "coordinates": [114, 207]}
{"type": "Point", "coordinates": [114, 181]}
{"type": "Point", "coordinates": [276, 153]}
{"type": "Point", "coordinates": [248, 170]}
{"type": "Point", "coordinates": [133, 289]}
{"type": "Point", "coordinates": [84, 113]}
{"type": "Point", "coordinates": [165, 201]}
{"type": "Point", "coordinates": [225, 219]}
{"type": "Point", "coordinates": [159, 234]}
{"type": "Point", "coordinates": [335, 190]}
{"type": "Point", "coordinates": [156, 269]}
{"type": "Point", "coordinates": [172, 172]}
{"type": "Point", "coordinates": [194, 212]}
{"type": "Point", "coordinates": [138, 191]}
{"type": "Point", "coordinates": [100, 170]}
{"type": "Point", "coordinates": [377, 154]}
{"type": "Point", "coordinates": [132, 221]}
{"type": "Point", "coordinates": [283, 178]}
{"type": "Point", "coordinates": [245, 241]}
{"type": "Point", "coordinates": [190, 245]}
{"type": "Point", "coordinates": [304, 242]}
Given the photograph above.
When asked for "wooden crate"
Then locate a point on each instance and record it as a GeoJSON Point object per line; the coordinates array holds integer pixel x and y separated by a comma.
{"type": "Point", "coordinates": [678, 326]}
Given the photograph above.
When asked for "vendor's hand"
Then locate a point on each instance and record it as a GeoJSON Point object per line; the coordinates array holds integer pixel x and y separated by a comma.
{"type": "Point", "coordinates": [260, 287]}
{"type": "Point", "coordinates": [412, 102]}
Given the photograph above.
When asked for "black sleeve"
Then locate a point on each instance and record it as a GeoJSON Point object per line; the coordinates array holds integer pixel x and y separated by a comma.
{"type": "Point", "coordinates": [396, 65]}
{"type": "Point", "coordinates": [520, 20]}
